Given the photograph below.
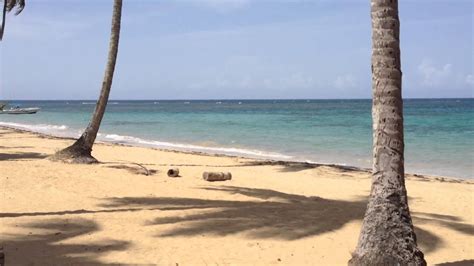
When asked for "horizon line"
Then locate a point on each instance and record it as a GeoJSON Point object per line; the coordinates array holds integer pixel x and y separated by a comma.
{"type": "Point", "coordinates": [236, 99]}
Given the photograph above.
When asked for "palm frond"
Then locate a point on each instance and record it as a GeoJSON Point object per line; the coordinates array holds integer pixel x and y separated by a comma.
{"type": "Point", "coordinates": [9, 5]}
{"type": "Point", "coordinates": [18, 4]}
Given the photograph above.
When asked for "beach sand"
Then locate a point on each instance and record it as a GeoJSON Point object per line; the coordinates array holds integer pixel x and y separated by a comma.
{"type": "Point", "coordinates": [269, 213]}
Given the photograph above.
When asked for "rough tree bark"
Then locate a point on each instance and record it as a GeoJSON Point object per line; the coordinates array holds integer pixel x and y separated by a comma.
{"type": "Point", "coordinates": [387, 236]}
{"type": "Point", "coordinates": [80, 151]}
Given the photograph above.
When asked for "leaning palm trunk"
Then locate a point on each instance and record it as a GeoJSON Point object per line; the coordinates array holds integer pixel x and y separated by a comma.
{"type": "Point", "coordinates": [387, 236]}
{"type": "Point", "coordinates": [80, 151]}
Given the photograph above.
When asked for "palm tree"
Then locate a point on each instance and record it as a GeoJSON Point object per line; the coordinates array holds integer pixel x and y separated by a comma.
{"type": "Point", "coordinates": [387, 236]}
{"type": "Point", "coordinates": [8, 6]}
{"type": "Point", "coordinates": [80, 151]}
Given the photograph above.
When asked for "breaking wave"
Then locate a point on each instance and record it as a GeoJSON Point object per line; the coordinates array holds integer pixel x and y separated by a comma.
{"type": "Point", "coordinates": [190, 147]}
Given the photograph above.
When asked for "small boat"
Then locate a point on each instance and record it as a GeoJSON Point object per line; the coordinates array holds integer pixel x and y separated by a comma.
{"type": "Point", "coordinates": [17, 110]}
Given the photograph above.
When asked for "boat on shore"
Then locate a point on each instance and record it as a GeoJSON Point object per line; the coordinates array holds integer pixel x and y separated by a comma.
{"type": "Point", "coordinates": [17, 110]}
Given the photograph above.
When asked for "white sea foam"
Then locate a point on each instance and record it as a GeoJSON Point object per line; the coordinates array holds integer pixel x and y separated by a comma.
{"type": "Point", "coordinates": [64, 131]}
{"type": "Point", "coordinates": [190, 147]}
{"type": "Point", "coordinates": [88, 102]}
{"type": "Point", "coordinates": [51, 130]}
{"type": "Point", "coordinates": [43, 128]}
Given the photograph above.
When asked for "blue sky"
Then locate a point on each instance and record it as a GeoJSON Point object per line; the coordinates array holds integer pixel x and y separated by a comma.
{"type": "Point", "coordinates": [229, 49]}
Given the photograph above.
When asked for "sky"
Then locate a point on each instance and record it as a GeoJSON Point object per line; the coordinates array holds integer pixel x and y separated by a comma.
{"type": "Point", "coordinates": [231, 49]}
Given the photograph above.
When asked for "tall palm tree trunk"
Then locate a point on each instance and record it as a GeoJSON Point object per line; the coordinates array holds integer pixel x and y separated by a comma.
{"type": "Point", "coordinates": [387, 236]}
{"type": "Point", "coordinates": [80, 151]}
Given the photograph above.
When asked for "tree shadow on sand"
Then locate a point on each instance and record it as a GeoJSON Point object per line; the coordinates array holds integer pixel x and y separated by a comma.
{"type": "Point", "coordinates": [43, 245]}
{"type": "Point", "coordinates": [272, 214]}
{"type": "Point", "coordinates": [430, 242]}
{"type": "Point", "coordinates": [16, 147]}
{"type": "Point", "coordinates": [448, 221]}
{"type": "Point", "coordinates": [469, 262]}
{"type": "Point", "coordinates": [21, 156]}
{"type": "Point", "coordinates": [266, 214]}
{"type": "Point", "coordinates": [287, 166]}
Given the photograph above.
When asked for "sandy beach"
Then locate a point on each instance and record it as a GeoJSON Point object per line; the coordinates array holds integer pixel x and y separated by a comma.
{"type": "Point", "coordinates": [270, 213]}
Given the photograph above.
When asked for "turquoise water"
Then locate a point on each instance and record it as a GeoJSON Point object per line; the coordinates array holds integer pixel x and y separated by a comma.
{"type": "Point", "coordinates": [438, 132]}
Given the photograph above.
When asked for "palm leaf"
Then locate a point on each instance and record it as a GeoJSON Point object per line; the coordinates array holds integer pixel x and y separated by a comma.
{"type": "Point", "coordinates": [19, 4]}
{"type": "Point", "coordinates": [8, 6]}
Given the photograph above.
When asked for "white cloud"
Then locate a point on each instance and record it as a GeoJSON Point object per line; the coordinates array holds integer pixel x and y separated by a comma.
{"type": "Point", "coordinates": [434, 76]}
{"type": "Point", "coordinates": [347, 81]}
{"type": "Point", "coordinates": [470, 80]}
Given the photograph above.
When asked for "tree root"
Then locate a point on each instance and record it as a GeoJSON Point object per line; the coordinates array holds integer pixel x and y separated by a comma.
{"type": "Point", "coordinates": [77, 153]}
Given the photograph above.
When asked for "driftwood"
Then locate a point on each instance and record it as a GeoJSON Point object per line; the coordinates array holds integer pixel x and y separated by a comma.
{"type": "Point", "coordinates": [216, 176]}
{"type": "Point", "coordinates": [147, 172]}
{"type": "Point", "coordinates": [173, 172]}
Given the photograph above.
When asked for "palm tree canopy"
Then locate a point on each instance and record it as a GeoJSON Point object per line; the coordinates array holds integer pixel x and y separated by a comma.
{"type": "Point", "coordinates": [11, 4]}
{"type": "Point", "coordinates": [8, 6]}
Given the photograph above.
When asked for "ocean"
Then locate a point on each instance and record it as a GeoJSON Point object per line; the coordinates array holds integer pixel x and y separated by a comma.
{"type": "Point", "coordinates": [439, 133]}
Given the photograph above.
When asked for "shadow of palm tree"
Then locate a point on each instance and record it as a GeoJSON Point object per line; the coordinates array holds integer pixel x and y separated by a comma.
{"type": "Point", "coordinates": [21, 156]}
{"type": "Point", "coordinates": [275, 215]}
{"type": "Point", "coordinates": [451, 222]}
{"type": "Point", "coordinates": [66, 212]}
{"type": "Point", "coordinates": [43, 244]}
{"type": "Point", "coordinates": [468, 262]}
{"type": "Point", "coordinates": [16, 147]}
{"type": "Point", "coordinates": [272, 214]}
{"type": "Point", "coordinates": [288, 166]}
{"type": "Point", "coordinates": [427, 241]}
{"type": "Point", "coordinates": [439, 216]}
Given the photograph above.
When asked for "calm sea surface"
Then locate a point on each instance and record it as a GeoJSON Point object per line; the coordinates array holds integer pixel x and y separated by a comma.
{"type": "Point", "coordinates": [439, 133]}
